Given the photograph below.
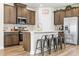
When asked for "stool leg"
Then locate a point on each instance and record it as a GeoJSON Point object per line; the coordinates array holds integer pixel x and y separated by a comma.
{"type": "Point", "coordinates": [54, 43]}
{"type": "Point", "coordinates": [57, 44]}
{"type": "Point", "coordinates": [61, 43]}
{"type": "Point", "coordinates": [44, 43]}
{"type": "Point", "coordinates": [64, 43]}
{"type": "Point", "coordinates": [36, 48]}
{"type": "Point", "coordinates": [42, 48]}
{"type": "Point", "coordinates": [49, 46]}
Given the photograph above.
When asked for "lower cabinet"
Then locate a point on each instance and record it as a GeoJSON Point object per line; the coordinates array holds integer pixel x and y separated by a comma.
{"type": "Point", "coordinates": [11, 38]}
{"type": "Point", "coordinates": [26, 41]}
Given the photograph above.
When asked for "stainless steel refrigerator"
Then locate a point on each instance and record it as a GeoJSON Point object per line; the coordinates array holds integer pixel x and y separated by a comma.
{"type": "Point", "coordinates": [71, 30]}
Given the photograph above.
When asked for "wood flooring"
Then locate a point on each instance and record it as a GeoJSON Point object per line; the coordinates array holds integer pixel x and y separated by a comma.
{"type": "Point", "coordinates": [70, 50]}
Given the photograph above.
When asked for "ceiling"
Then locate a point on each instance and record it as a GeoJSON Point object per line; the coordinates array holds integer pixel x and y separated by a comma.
{"type": "Point", "coordinates": [52, 5]}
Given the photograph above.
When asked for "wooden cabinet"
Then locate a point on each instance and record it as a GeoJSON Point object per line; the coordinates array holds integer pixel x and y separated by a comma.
{"type": "Point", "coordinates": [11, 38]}
{"type": "Point", "coordinates": [21, 12]}
{"type": "Point", "coordinates": [11, 11]}
{"type": "Point", "coordinates": [56, 17]}
{"type": "Point", "coordinates": [26, 41]}
{"type": "Point", "coordinates": [68, 13]}
{"type": "Point", "coordinates": [31, 17]}
{"type": "Point", "coordinates": [12, 15]}
{"type": "Point", "coordinates": [59, 17]}
{"type": "Point", "coordinates": [9, 14]}
{"type": "Point", "coordinates": [6, 14]}
{"type": "Point", "coordinates": [72, 12]}
{"type": "Point", "coordinates": [75, 11]}
{"type": "Point", "coordinates": [15, 38]}
{"type": "Point", "coordinates": [7, 40]}
{"type": "Point", "coordinates": [60, 14]}
{"type": "Point", "coordinates": [24, 12]}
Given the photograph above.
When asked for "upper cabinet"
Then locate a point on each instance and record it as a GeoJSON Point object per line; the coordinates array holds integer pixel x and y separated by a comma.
{"type": "Point", "coordinates": [24, 12]}
{"type": "Point", "coordinates": [75, 11]}
{"type": "Point", "coordinates": [72, 12]}
{"type": "Point", "coordinates": [31, 17]}
{"type": "Point", "coordinates": [29, 14]}
{"type": "Point", "coordinates": [60, 14]}
{"type": "Point", "coordinates": [12, 15]}
{"type": "Point", "coordinates": [21, 12]}
{"type": "Point", "coordinates": [6, 14]}
{"type": "Point", "coordinates": [68, 13]}
{"type": "Point", "coordinates": [9, 14]}
{"type": "Point", "coordinates": [58, 17]}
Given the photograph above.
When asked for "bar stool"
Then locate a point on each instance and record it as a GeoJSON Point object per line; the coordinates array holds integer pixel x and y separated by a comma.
{"type": "Point", "coordinates": [42, 42]}
{"type": "Point", "coordinates": [62, 38]}
{"type": "Point", "coordinates": [47, 41]}
{"type": "Point", "coordinates": [40, 48]}
{"type": "Point", "coordinates": [63, 42]}
{"type": "Point", "coordinates": [59, 42]}
{"type": "Point", "coordinates": [54, 40]}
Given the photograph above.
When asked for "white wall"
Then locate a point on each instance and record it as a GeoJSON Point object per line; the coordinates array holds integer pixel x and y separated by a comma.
{"type": "Point", "coordinates": [1, 27]}
{"type": "Point", "coordinates": [45, 18]}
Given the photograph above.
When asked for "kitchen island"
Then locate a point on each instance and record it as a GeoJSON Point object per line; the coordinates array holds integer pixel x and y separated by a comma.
{"type": "Point", "coordinates": [30, 38]}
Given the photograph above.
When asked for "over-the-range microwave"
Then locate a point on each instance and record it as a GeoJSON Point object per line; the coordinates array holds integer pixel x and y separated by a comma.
{"type": "Point", "coordinates": [22, 20]}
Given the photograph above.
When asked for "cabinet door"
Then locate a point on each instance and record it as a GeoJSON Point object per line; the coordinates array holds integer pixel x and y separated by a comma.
{"type": "Point", "coordinates": [12, 15]}
{"type": "Point", "coordinates": [75, 11]}
{"type": "Point", "coordinates": [62, 15]}
{"type": "Point", "coordinates": [32, 16]}
{"type": "Point", "coordinates": [19, 13]}
{"type": "Point", "coordinates": [28, 16]}
{"type": "Point", "coordinates": [11, 38]}
{"type": "Point", "coordinates": [24, 12]}
{"type": "Point", "coordinates": [15, 39]}
{"type": "Point", "coordinates": [56, 17]}
{"type": "Point", "coordinates": [6, 14]}
{"type": "Point", "coordinates": [68, 13]}
{"type": "Point", "coordinates": [26, 41]}
{"type": "Point", "coordinates": [7, 40]}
